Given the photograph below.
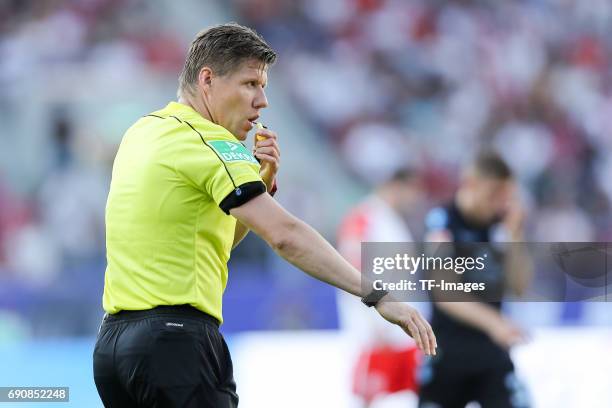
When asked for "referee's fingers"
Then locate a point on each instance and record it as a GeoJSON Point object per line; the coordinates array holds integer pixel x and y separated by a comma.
{"type": "Point", "coordinates": [432, 336]}
{"type": "Point", "coordinates": [267, 133]}
{"type": "Point", "coordinates": [426, 334]}
{"type": "Point", "coordinates": [424, 337]}
{"type": "Point", "coordinates": [413, 331]}
{"type": "Point", "coordinates": [271, 151]}
{"type": "Point", "coordinates": [266, 142]}
{"type": "Point", "coordinates": [267, 158]}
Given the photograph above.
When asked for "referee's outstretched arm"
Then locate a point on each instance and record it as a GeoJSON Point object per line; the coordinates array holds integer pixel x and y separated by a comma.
{"type": "Point", "coordinates": [305, 248]}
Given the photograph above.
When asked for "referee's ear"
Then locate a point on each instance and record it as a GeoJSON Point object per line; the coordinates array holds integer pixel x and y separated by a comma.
{"type": "Point", "coordinates": [205, 78]}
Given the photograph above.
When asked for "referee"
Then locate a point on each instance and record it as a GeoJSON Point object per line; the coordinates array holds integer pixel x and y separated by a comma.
{"type": "Point", "coordinates": [184, 192]}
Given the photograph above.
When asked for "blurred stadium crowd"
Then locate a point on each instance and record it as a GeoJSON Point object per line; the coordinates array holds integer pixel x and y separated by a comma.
{"type": "Point", "coordinates": [428, 83]}
{"type": "Point", "coordinates": [61, 64]}
{"type": "Point", "coordinates": [386, 83]}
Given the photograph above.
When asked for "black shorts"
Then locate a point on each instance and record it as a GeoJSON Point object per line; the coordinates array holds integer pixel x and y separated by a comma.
{"type": "Point", "coordinates": [169, 356]}
{"type": "Point", "coordinates": [470, 371]}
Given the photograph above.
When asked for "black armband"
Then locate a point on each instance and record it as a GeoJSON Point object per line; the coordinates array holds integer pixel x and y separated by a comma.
{"type": "Point", "coordinates": [242, 194]}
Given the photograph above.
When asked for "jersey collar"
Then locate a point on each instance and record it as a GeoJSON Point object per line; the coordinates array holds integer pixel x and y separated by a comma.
{"type": "Point", "coordinates": [188, 114]}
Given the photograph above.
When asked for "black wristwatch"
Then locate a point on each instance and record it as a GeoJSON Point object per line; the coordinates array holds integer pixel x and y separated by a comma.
{"type": "Point", "coordinates": [373, 297]}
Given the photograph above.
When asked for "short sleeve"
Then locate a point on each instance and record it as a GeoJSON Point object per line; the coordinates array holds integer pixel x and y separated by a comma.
{"type": "Point", "coordinates": [223, 169]}
{"type": "Point", "coordinates": [436, 219]}
{"type": "Point", "coordinates": [437, 226]}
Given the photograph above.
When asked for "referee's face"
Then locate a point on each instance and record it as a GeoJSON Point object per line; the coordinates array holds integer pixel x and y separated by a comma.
{"type": "Point", "coordinates": [235, 99]}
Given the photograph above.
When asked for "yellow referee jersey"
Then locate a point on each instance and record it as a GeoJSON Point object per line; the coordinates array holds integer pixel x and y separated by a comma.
{"type": "Point", "coordinates": [168, 233]}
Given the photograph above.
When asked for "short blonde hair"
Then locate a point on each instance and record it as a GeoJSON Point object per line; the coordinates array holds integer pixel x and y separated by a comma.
{"type": "Point", "coordinates": [223, 48]}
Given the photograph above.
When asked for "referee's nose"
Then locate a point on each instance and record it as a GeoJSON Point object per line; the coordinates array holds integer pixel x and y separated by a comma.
{"type": "Point", "coordinates": [260, 101]}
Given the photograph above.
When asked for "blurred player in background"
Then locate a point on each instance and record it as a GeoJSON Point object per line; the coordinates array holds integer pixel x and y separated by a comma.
{"type": "Point", "coordinates": [184, 192]}
{"type": "Point", "coordinates": [387, 360]}
{"type": "Point", "coordinates": [475, 337]}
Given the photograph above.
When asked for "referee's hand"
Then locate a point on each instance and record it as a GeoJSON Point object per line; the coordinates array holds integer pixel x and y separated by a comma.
{"type": "Point", "coordinates": [411, 321]}
{"type": "Point", "coordinates": [267, 151]}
